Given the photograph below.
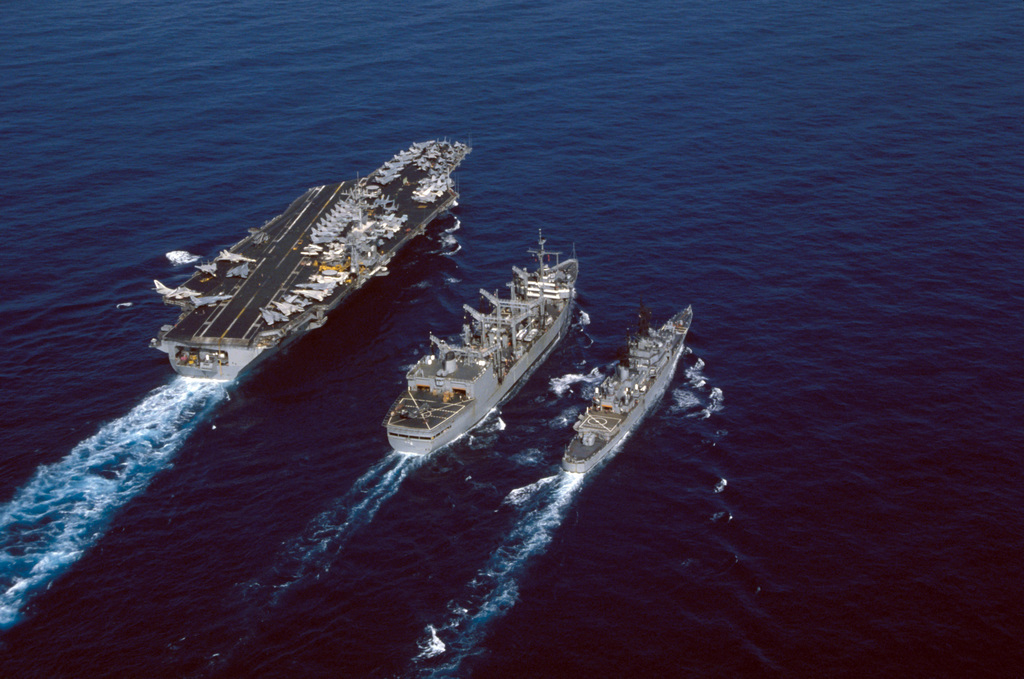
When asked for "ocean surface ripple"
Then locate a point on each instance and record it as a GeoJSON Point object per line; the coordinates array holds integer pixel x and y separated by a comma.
{"type": "Point", "coordinates": [831, 485]}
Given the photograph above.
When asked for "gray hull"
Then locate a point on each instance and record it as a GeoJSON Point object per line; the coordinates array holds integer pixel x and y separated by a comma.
{"type": "Point", "coordinates": [610, 427]}
{"type": "Point", "coordinates": [474, 410]}
{"type": "Point", "coordinates": [451, 391]}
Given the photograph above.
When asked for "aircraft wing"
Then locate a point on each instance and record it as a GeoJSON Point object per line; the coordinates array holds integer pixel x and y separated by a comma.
{"type": "Point", "coordinates": [233, 257]}
{"type": "Point", "coordinates": [209, 299]}
{"type": "Point", "coordinates": [271, 316]}
{"type": "Point", "coordinates": [318, 295]}
{"type": "Point", "coordinates": [241, 271]}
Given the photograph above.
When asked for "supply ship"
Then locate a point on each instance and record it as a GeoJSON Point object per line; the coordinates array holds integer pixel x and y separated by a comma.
{"type": "Point", "coordinates": [282, 280]}
{"type": "Point", "coordinates": [623, 398]}
{"type": "Point", "coordinates": [451, 390]}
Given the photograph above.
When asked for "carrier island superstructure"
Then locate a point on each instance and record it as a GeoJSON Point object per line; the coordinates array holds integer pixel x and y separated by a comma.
{"type": "Point", "coordinates": [623, 398]}
{"type": "Point", "coordinates": [450, 391]}
{"type": "Point", "coordinates": [283, 279]}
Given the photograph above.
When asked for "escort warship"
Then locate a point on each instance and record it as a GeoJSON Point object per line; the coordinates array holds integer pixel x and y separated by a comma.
{"type": "Point", "coordinates": [623, 398]}
{"type": "Point", "coordinates": [451, 391]}
{"type": "Point", "coordinates": [282, 280]}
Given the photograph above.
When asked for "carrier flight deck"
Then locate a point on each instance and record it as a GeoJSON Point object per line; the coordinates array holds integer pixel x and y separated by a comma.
{"type": "Point", "coordinates": [286, 276]}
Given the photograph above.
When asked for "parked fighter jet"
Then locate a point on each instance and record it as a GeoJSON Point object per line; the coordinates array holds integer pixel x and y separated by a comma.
{"type": "Point", "coordinates": [241, 271]}
{"type": "Point", "coordinates": [271, 316]}
{"type": "Point", "coordinates": [210, 299]}
{"type": "Point", "coordinates": [287, 308]}
{"type": "Point", "coordinates": [318, 295]}
{"type": "Point", "coordinates": [233, 257]}
{"type": "Point", "coordinates": [173, 293]}
{"type": "Point", "coordinates": [161, 288]}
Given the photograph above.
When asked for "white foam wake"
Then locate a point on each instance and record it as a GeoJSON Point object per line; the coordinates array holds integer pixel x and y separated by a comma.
{"type": "Point", "coordinates": [715, 402]}
{"type": "Point", "coordinates": [684, 400]}
{"type": "Point", "coordinates": [181, 257]}
{"type": "Point", "coordinates": [307, 557]}
{"type": "Point", "coordinates": [566, 418]}
{"type": "Point", "coordinates": [65, 507]}
{"type": "Point", "coordinates": [313, 552]}
{"type": "Point", "coordinates": [701, 400]}
{"type": "Point", "coordinates": [494, 590]}
{"type": "Point", "coordinates": [531, 457]}
{"type": "Point", "coordinates": [432, 645]}
{"type": "Point", "coordinates": [560, 385]}
{"type": "Point", "coordinates": [485, 432]}
{"type": "Point", "coordinates": [517, 496]}
{"type": "Point", "coordinates": [450, 245]}
{"type": "Point", "coordinates": [696, 374]}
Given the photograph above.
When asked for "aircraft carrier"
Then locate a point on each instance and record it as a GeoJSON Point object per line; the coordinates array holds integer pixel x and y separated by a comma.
{"type": "Point", "coordinates": [622, 400]}
{"type": "Point", "coordinates": [449, 393]}
{"type": "Point", "coordinates": [283, 279]}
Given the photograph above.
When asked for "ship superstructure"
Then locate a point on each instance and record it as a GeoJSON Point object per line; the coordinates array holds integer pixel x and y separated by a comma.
{"type": "Point", "coordinates": [451, 390]}
{"type": "Point", "coordinates": [623, 398]}
{"type": "Point", "coordinates": [283, 279]}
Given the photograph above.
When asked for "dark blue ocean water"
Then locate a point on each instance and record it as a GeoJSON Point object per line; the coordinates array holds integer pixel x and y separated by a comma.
{"type": "Point", "coordinates": [831, 487]}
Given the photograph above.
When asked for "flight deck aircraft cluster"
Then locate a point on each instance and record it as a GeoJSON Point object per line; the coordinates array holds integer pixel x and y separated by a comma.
{"type": "Point", "coordinates": [283, 279]}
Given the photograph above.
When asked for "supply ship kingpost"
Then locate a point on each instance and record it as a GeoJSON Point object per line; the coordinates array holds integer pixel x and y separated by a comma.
{"type": "Point", "coordinates": [639, 381]}
{"type": "Point", "coordinates": [451, 391]}
{"type": "Point", "coordinates": [282, 280]}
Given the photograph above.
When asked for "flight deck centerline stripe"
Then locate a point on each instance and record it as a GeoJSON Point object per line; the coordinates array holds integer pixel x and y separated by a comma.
{"type": "Point", "coordinates": [292, 274]}
{"type": "Point", "coordinates": [234, 321]}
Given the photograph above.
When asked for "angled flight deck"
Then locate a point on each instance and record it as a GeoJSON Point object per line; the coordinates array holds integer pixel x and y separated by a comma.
{"type": "Point", "coordinates": [286, 276]}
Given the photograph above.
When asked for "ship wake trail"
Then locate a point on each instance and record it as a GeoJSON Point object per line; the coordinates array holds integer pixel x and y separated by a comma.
{"type": "Point", "coordinates": [312, 553]}
{"type": "Point", "coordinates": [304, 559]}
{"type": "Point", "coordinates": [65, 507]}
{"type": "Point", "coordinates": [494, 590]}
